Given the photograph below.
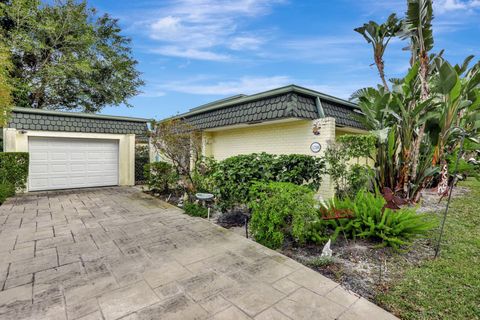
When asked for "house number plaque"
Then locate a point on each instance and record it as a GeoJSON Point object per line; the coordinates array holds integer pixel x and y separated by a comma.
{"type": "Point", "coordinates": [315, 147]}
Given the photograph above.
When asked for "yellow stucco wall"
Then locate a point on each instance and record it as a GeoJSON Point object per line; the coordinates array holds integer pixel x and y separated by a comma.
{"type": "Point", "coordinates": [294, 136]}
{"type": "Point", "coordinates": [16, 141]}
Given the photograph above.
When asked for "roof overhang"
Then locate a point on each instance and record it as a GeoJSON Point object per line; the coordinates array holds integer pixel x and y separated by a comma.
{"type": "Point", "coordinates": [254, 124]}
{"type": "Point", "coordinates": [77, 114]}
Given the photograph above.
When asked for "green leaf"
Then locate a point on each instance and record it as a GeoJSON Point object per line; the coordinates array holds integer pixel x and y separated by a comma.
{"type": "Point", "coordinates": [448, 79]}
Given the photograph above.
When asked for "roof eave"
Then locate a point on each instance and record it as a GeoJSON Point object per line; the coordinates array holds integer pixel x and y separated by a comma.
{"type": "Point", "coordinates": [78, 114]}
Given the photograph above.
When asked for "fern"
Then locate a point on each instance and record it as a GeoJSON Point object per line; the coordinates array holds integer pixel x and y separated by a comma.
{"type": "Point", "coordinates": [371, 220]}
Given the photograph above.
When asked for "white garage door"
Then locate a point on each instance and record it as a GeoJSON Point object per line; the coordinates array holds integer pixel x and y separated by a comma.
{"type": "Point", "coordinates": [62, 163]}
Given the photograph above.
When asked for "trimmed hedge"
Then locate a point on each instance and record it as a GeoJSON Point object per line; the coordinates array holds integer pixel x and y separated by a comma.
{"type": "Point", "coordinates": [6, 191]}
{"type": "Point", "coordinates": [233, 177]}
{"type": "Point", "coordinates": [14, 169]}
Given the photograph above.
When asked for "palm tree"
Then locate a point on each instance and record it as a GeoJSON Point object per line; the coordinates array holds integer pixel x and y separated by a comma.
{"type": "Point", "coordinates": [379, 35]}
{"type": "Point", "coordinates": [417, 27]}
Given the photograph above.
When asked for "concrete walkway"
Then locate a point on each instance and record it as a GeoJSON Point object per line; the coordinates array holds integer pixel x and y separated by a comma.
{"type": "Point", "coordinates": [116, 253]}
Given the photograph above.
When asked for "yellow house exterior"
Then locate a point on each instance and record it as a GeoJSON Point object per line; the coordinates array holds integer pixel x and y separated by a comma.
{"type": "Point", "coordinates": [287, 120]}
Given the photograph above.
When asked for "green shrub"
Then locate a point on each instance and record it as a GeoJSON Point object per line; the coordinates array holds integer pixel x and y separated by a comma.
{"type": "Point", "coordinates": [372, 220]}
{"type": "Point", "coordinates": [142, 157]}
{"type": "Point", "coordinates": [160, 176]}
{"type": "Point", "coordinates": [202, 175]}
{"type": "Point", "coordinates": [6, 190]}
{"type": "Point", "coordinates": [349, 179]}
{"type": "Point", "coordinates": [234, 176]}
{"type": "Point", "coordinates": [14, 169]}
{"type": "Point", "coordinates": [359, 177]}
{"type": "Point", "coordinates": [280, 209]}
{"type": "Point", "coordinates": [195, 210]}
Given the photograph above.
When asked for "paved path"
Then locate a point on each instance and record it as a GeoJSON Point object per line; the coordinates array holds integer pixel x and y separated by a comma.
{"type": "Point", "coordinates": [115, 253]}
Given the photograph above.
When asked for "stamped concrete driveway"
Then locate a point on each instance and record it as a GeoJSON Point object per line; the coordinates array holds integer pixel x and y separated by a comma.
{"type": "Point", "coordinates": [115, 253]}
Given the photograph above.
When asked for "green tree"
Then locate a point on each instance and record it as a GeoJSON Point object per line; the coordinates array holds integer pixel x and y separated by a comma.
{"type": "Point", "coordinates": [5, 84]}
{"type": "Point", "coordinates": [66, 57]}
{"type": "Point", "coordinates": [414, 122]}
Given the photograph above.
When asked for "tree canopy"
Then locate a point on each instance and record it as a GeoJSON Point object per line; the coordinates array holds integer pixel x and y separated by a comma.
{"type": "Point", "coordinates": [5, 84]}
{"type": "Point", "coordinates": [66, 57]}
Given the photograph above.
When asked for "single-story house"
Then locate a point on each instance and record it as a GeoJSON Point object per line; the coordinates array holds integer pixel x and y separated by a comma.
{"type": "Point", "coordinates": [74, 150]}
{"type": "Point", "coordinates": [290, 119]}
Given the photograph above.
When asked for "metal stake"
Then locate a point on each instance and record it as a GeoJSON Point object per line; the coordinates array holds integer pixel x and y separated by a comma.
{"type": "Point", "coordinates": [437, 249]}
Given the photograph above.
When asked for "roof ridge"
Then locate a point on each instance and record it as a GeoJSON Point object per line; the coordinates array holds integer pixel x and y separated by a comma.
{"type": "Point", "coordinates": [237, 96]}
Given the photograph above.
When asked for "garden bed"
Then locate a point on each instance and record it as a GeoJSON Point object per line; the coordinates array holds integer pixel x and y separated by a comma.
{"type": "Point", "coordinates": [361, 266]}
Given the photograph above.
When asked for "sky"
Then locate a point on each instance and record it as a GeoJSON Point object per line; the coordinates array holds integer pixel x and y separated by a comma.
{"type": "Point", "coordinates": [192, 52]}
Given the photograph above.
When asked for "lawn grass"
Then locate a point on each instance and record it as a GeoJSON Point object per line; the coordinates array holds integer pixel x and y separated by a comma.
{"type": "Point", "coordinates": [449, 287]}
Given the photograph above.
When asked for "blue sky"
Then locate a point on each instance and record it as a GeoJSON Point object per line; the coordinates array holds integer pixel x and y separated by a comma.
{"type": "Point", "coordinates": [195, 51]}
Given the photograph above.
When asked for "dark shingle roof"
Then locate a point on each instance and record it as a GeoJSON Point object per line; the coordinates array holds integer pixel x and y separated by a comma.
{"type": "Point", "coordinates": [289, 105]}
{"type": "Point", "coordinates": [344, 116]}
{"type": "Point", "coordinates": [287, 102]}
{"type": "Point", "coordinates": [44, 120]}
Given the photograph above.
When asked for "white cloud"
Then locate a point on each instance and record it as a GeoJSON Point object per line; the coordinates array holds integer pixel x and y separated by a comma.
{"type": "Point", "coordinates": [200, 29]}
{"type": "Point", "coordinates": [152, 93]}
{"type": "Point", "coordinates": [191, 53]}
{"type": "Point", "coordinates": [245, 43]}
{"type": "Point", "coordinates": [202, 85]}
{"type": "Point", "coordinates": [244, 85]}
{"type": "Point", "coordinates": [323, 50]}
{"type": "Point", "coordinates": [444, 6]}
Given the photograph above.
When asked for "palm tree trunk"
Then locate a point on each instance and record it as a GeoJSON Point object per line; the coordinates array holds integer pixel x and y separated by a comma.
{"type": "Point", "coordinates": [381, 71]}
{"type": "Point", "coordinates": [424, 94]}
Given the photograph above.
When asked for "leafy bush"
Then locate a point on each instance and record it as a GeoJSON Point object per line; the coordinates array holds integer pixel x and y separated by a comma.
{"type": "Point", "coordinates": [349, 179]}
{"type": "Point", "coordinates": [6, 190]}
{"type": "Point", "coordinates": [358, 145]}
{"type": "Point", "coordinates": [280, 209]}
{"type": "Point", "coordinates": [202, 175]}
{"type": "Point", "coordinates": [142, 157]}
{"type": "Point", "coordinates": [195, 210]}
{"type": "Point", "coordinates": [234, 176]}
{"type": "Point", "coordinates": [373, 220]}
{"type": "Point", "coordinates": [359, 177]}
{"type": "Point", "coordinates": [159, 176]}
{"type": "Point", "coordinates": [14, 169]}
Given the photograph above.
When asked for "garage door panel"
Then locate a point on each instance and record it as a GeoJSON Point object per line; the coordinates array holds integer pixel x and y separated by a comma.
{"type": "Point", "coordinates": [38, 156]}
{"type": "Point", "coordinates": [58, 168]}
{"type": "Point", "coordinates": [78, 167]}
{"type": "Point", "coordinates": [61, 163]}
{"type": "Point", "coordinates": [62, 156]}
{"type": "Point", "coordinates": [39, 167]}
{"type": "Point", "coordinates": [79, 156]}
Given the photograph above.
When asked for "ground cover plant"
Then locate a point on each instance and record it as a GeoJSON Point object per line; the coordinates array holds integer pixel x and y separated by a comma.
{"type": "Point", "coordinates": [195, 210]}
{"type": "Point", "coordinates": [371, 219]}
{"type": "Point", "coordinates": [447, 287]}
